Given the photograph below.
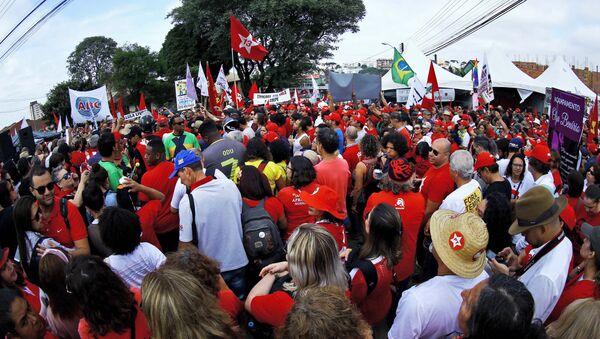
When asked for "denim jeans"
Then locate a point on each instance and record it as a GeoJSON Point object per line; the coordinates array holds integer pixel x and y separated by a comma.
{"type": "Point", "coordinates": [236, 280]}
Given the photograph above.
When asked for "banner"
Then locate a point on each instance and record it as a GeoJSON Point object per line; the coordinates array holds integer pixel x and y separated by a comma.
{"type": "Point", "coordinates": [183, 101]}
{"type": "Point", "coordinates": [417, 92]}
{"type": "Point", "coordinates": [89, 105]}
{"type": "Point", "coordinates": [566, 127]}
{"type": "Point", "coordinates": [444, 94]}
{"type": "Point", "coordinates": [273, 98]}
{"type": "Point", "coordinates": [486, 91]}
{"type": "Point", "coordinates": [135, 115]}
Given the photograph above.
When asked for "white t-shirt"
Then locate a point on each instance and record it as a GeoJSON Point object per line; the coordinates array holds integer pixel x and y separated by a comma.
{"type": "Point", "coordinates": [31, 239]}
{"type": "Point", "coordinates": [546, 180]}
{"type": "Point", "coordinates": [546, 278]}
{"type": "Point", "coordinates": [519, 188]}
{"type": "Point", "coordinates": [180, 190]}
{"type": "Point", "coordinates": [430, 310]}
{"type": "Point", "coordinates": [133, 267]}
{"type": "Point", "coordinates": [463, 199]}
{"type": "Point", "coordinates": [249, 132]}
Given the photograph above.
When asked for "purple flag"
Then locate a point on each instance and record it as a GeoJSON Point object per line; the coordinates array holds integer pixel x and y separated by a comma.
{"type": "Point", "coordinates": [189, 84]}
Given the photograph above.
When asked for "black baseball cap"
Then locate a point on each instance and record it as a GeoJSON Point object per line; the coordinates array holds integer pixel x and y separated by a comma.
{"type": "Point", "coordinates": [133, 131]}
{"type": "Point", "coordinates": [593, 233]}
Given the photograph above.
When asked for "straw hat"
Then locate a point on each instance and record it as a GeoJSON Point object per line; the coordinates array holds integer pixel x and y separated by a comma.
{"type": "Point", "coordinates": [460, 241]}
{"type": "Point", "coordinates": [536, 207]}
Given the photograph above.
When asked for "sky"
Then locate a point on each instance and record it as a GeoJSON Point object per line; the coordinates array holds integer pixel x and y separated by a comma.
{"type": "Point", "coordinates": [538, 30]}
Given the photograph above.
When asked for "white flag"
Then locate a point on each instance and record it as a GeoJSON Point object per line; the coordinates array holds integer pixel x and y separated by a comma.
{"type": "Point", "coordinates": [315, 91]}
{"type": "Point", "coordinates": [486, 91]}
{"type": "Point", "coordinates": [222, 81]}
{"type": "Point", "coordinates": [202, 83]}
{"type": "Point", "coordinates": [59, 127]}
{"type": "Point", "coordinates": [296, 97]}
{"type": "Point", "coordinates": [24, 123]}
{"type": "Point", "coordinates": [417, 92]}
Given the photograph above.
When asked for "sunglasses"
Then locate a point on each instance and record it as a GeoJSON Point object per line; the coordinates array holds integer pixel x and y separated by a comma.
{"type": "Point", "coordinates": [42, 189]}
{"type": "Point", "coordinates": [65, 176]}
{"type": "Point", "coordinates": [435, 152]}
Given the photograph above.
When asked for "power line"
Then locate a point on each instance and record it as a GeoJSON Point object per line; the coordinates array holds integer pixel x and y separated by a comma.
{"type": "Point", "coordinates": [4, 8]}
{"type": "Point", "coordinates": [427, 25]}
{"type": "Point", "coordinates": [22, 20]}
{"type": "Point", "coordinates": [439, 23]}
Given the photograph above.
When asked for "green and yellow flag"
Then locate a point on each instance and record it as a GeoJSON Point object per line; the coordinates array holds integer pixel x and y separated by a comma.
{"type": "Point", "coordinates": [401, 71]}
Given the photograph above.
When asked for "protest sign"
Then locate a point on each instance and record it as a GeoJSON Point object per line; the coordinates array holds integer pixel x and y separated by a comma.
{"type": "Point", "coordinates": [135, 115]}
{"type": "Point", "coordinates": [566, 126]}
{"type": "Point", "coordinates": [183, 101]}
{"type": "Point", "coordinates": [444, 94]}
{"type": "Point", "coordinates": [274, 98]}
{"type": "Point", "coordinates": [89, 105]}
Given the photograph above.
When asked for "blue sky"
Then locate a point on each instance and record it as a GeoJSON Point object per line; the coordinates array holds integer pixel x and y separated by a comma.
{"type": "Point", "coordinates": [542, 28]}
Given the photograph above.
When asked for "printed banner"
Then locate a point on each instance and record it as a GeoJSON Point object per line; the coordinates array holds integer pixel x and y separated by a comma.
{"type": "Point", "coordinates": [273, 98]}
{"type": "Point", "coordinates": [444, 94]}
{"type": "Point", "coordinates": [135, 115]}
{"type": "Point", "coordinates": [183, 101]}
{"type": "Point", "coordinates": [89, 105]}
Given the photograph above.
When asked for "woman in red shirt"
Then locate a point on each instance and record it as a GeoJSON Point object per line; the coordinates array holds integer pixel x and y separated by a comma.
{"type": "Point", "coordinates": [313, 261]}
{"type": "Point", "coordinates": [109, 308]}
{"type": "Point", "coordinates": [254, 187]}
{"type": "Point", "coordinates": [12, 277]}
{"type": "Point", "coordinates": [301, 174]}
{"type": "Point", "coordinates": [382, 248]}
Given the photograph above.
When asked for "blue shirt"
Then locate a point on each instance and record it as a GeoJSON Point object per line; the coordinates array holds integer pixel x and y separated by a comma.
{"type": "Point", "coordinates": [341, 140]}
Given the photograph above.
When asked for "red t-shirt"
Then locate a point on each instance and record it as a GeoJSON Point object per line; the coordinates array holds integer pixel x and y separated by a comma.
{"type": "Point", "coordinates": [78, 158]}
{"type": "Point", "coordinates": [148, 215]}
{"type": "Point", "coordinates": [351, 156]}
{"type": "Point", "coordinates": [31, 293]}
{"type": "Point", "coordinates": [162, 132]}
{"type": "Point", "coordinates": [158, 178]}
{"type": "Point", "coordinates": [338, 231]}
{"type": "Point", "coordinates": [406, 134]}
{"type": "Point", "coordinates": [141, 325]}
{"type": "Point", "coordinates": [142, 149]}
{"type": "Point", "coordinates": [272, 309]}
{"type": "Point", "coordinates": [54, 225]}
{"type": "Point", "coordinates": [335, 174]}
{"type": "Point", "coordinates": [411, 207]}
{"type": "Point", "coordinates": [272, 206]}
{"type": "Point", "coordinates": [572, 201]}
{"type": "Point", "coordinates": [436, 136]}
{"type": "Point", "coordinates": [575, 289]}
{"type": "Point", "coordinates": [375, 306]}
{"type": "Point", "coordinates": [230, 303]}
{"type": "Point", "coordinates": [437, 183]}
{"type": "Point", "coordinates": [295, 209]}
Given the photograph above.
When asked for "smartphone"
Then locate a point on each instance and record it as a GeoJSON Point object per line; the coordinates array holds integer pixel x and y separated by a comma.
{"type": "Point", "coordinates": [491, 255]}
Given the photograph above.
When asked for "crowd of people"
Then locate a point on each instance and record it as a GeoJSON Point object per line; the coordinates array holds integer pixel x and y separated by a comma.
{"type": "Point", "coordinates": [319, 220]}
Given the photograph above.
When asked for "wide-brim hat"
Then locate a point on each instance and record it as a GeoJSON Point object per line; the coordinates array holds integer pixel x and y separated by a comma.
{"type": "Point", "coordinates": [536, 207]}
{"type": "Point", "coordinates": [322, 198]}
{"type": "Point", "coordinates": [593, 233]}
{"type": "Point", "coordinates": [460, 241]}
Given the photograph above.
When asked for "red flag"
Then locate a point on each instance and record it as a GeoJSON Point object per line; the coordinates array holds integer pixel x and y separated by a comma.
{"type": "Point", "coordinates": [429, 99]}
{"type": "Point", "coordinates": [55, 119]}
{"type": "Point", "coordinates": [237, 96]}
{"type": "Point", "coordinates": [154, 114]}
{"type": "Point", "coordinates": [142, 102]}
{"type": "Point", "coordinates": [593, 133]}
{"type": "Point", "coordinates": [253, 90]}
{"type": "Point", "coordinates": [221, 101]}
{"type": "Point", "coordinates": [111, 106]}
{"type": "Point", "coordinates": [244, 43]}
{"type": "Point", "coordinates": [120, 108]}
{"type": "Point", "coordinates": [213, 97]}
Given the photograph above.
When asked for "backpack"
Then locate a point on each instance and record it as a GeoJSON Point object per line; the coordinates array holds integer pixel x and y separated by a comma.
{"type": "Point", "coordinates": [64, 212]}
{"type": "Point", "coordinates": [366, 267]}
{"type": "Point", "coordinates": [262, 241]}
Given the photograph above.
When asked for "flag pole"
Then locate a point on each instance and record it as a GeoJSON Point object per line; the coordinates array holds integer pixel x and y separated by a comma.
{"type": "Point", "coordinates": [234, 82]}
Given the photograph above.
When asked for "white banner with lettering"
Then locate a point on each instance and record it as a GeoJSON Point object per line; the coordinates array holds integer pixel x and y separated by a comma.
{"type": "Point", "coordinates": [89, 105]}
{"type": "Point", "coordinates": [444, 95]}
{"type": "Point", "coordinates": [272, 98]}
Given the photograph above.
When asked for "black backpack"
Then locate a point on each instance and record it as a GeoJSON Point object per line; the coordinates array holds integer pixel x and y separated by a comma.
{"type": "Point", "coordinates": [262, 241]}
{"type": "Point", "coordinates": [366, 267]}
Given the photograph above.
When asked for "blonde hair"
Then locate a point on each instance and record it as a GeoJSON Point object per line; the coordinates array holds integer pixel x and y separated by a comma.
{"type": "Point", "coordinates": [578, 321]}
{"type": "Point", "coordinates": [324, 312]}
{"type": "Point", "coordinates": [177, 305]}
{"type": "Point", "coordinates": [313, 259]}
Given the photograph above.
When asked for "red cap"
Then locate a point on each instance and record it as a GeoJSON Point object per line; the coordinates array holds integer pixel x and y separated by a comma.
{"type": "Point", "coordinates": [593, 148]}
{"type": "Point", "coordinates": [540, 152]}
{"type": "Point", "coordinates": [438, 122]}
{"type": "Point", "coordinates": [484, 159]}
{"type": "Point", "coordinates": [464, 123]}
{"type": "Point", "coordinates": [359, 118]}
{"type": "Point", "coordinates": [271, 127]}
{"type": "Point", "coordinates": [324, 108]}
{"type": "Point", "coordinates": [322, 198]}
{"type": "Point", "coordinates": [333, 117]}
{"type": "Point", "coordinates": [4, 256]}
{"type": "Point", "coordinates": [465, 117]}
{"type": "Point", "coordinates": [270, 136]}
{"type": "Point", "coordinates": [162, 119]}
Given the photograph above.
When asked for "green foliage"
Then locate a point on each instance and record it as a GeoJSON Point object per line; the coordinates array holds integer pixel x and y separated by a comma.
{"type": "Point", "coordinates": [91, 61]}
{"type": "Point", "coordinates": [58, 101]}
{"type": "Point", "coordinates": [297, 34]}
{"type": "Point", "coordinates": [372, 70]}
{"type": "Point", "coordinates": [134, 67]}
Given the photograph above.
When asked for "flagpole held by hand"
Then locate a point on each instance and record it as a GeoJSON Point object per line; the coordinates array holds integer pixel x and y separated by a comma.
{"type": "Point", "coordinates": [234, 82]}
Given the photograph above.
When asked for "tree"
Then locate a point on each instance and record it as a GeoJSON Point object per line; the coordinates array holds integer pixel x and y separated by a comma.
{"type": "Point", "coordinates": [134, 68]}
{"type": "Point", "coordinates": [296, 33]}
{"type": "Point", "coordinates": [91, 61]}
{"type": "Point", "coordinates": [372, 70]}
{"type": "Point", "coordinates": [58, 101]}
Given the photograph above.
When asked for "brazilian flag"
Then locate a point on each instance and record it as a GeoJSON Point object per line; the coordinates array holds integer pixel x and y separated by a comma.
{"type": "Point", "coordinates": [401, 71]}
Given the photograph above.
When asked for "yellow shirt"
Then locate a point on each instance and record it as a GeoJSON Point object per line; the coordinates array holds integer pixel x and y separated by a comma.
{"type": "Point", "coordinates": [272, 171]}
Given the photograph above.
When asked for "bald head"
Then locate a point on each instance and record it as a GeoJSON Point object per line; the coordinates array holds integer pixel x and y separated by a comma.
{"type": "Point", "coordinates": [442, 148]}
{"type": "Point", "coordinates": [351, 133]}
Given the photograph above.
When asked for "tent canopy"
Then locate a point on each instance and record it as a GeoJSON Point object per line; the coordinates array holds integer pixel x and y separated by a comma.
{"type": "Point", "coordinates": [560, 75]}
{"type": "Point", "coordinates": [419, 63]}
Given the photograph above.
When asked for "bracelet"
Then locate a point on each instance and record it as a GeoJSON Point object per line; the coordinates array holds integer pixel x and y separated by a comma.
{"type": "Point", "coordinates": [578, 269]}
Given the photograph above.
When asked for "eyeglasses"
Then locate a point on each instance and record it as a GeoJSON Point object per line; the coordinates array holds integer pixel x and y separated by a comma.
{"type": "Point", "coordinates": [42, 189]}
{"type": "Point", "coordinates": [435, 152]}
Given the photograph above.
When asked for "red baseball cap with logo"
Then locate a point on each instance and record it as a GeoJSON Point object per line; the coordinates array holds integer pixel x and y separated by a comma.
{"type": "Point", "coordinates": [540, 152]}
{"type": "Point", "coordinates": [334, 117]}
{"type": "Point", "coordinates": [484, 159]}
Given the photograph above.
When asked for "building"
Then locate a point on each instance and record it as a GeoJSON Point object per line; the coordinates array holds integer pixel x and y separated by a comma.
{"type": "Point", "coordinates": [35, 110]}
{"type": "Point", "coordinates": [384, 63]}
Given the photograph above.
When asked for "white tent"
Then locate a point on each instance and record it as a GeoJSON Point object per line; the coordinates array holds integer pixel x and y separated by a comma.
{"type": "Point", "coordinates": [419, 63]}
{"type": "Point", "coordinates": [560, 75]}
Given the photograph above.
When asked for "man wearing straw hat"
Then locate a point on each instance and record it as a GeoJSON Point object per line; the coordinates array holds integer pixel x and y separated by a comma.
{"type": "Point", "coordinates": [544, 265]}
{"type": "Point", "coordinates": [429, 309]}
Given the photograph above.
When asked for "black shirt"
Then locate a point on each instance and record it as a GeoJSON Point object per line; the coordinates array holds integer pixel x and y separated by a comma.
{"type": "Point", "coordinates": [503, 187]}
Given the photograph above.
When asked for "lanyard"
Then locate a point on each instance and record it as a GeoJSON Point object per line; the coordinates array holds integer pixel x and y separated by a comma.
{"type": "Point", "coordinates": [549, 247]}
